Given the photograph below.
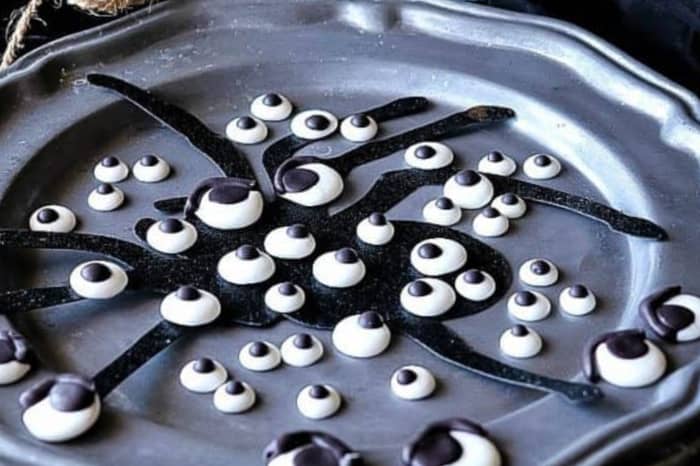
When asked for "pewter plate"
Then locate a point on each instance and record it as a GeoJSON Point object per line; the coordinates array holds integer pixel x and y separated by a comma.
{"type": "Point", "coordinates": [627, 137]}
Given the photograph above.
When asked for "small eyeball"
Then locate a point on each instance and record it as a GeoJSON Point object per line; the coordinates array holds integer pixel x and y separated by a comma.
{"type": "Point", "coordinates": [260, 356]}
{"type": "Point", "coordinates": [529, 306]}
{"type": "Point", "coordinates": [314, 124]}
{"type": "Point", "coordinates": [171, 236]}
{"type": "Point", "coordinates": [490, 223]}
{"type": "Point", "coordinates": [497, 163]}
{"type": "Point", "coordinates": [246, 130]}
{"type": "Point", "coordinates": [541, 167]}
{"type": "Point", "coordinates": [438, 256]}
{"type": "Point", "coordinates": [311, 184]}
{"type": "Point", "coordinates": [428, 156]}
{"type": "Point", "coordinates": [442, 211]}
{"type": "Point", "coordinates": [302, 350]}
{"type": "Point", "coordinates": [98, 280]}
{"type": "Point", "coordinates": [285, 298]}
{"type": "Point", "coordinates": [229, 206]}
{"type": "Point", "coordinates": [577, 300]}
{"type": "Point", "coordinates": [538, 272]}
{"type": "Point", "coordinates": [234, 397]}
{"type": "Point", "coordinates": [190, 307]}
{"type": "Point", "coordinates": [413, 383]}
{"type": "Point", "coordinates": [510, 205]}
{"type": "Point", "coordinates": [475, 285]}
{"type": "Point", "coordinates": [245, 266]}
{"type": "Point", "coordinates": [271, 107]}
{"type": "Point", "coordinates": [203, 375]}
{"type": "Point", "coordinates": [672, 315]}
{"type": "Point", "coordinates": [53, 218]}
{"type": "Point", "coordinates": [520, 342]}
{"type": "Point", "coordinates": [359, 128]}
{"type": "Point", "coordinates": [342, 268]}
{"type": "Point", "coordinates": [318, 401]}
{"type": "Point", "coordinates": [362, 335]}
{"type": "Point", "coordinates": [290, 242]}
{"type": "Point", "coordinates": [106, 198]}
{"type": "Point", "coordinates": [427, 297]}
{"type": "Point", "coordinates": [15, 357]}
{"type": "Point", "coordinates": [111, 170]}
{"type": "Point", "coordinates": [375, 230]}
{"type": "Point", "coordinates": [151, 169]}
{"type": "Point", "coordinates": [469, 190]}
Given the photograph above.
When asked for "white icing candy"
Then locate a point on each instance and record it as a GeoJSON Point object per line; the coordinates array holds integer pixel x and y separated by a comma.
{"type": "Point", "coordinates": [476, 450]}
{"type": "Point", "coordinates": [631, 373]}
{"type": "Point", "coordinates": [285, 297]}
{"type": "Point", "coordinates": [260, 356]}
{"type": "Point", "coordinates": [246, 130]}
{"type": "Point", "coordinates": [490, 223]}
{"type": "Point", "coordinates": [98, 280]}
{"type": "Point", "coordinates": [577, 300]}
{"type": "Point", "coordinates": [359, 128]}
{"type": "Point", "coordinates": [469, 190]}
{"type": "Point", "coordinates": [111, 170]}
{"type": "Point", "coordinates": [339, 269]}
{"type": "Point", "coordinates": [106, 198]}
{"type": "Point", "coordinates": [520, 342]}
{"type": "Point", "coordinates": [328, 187]}
{"type": "Point", "coordinates": [529, 306]}
{"type": "Point", "coordinates": [190, 307]}
{"type": "Point", "coordinates": [413, 383]}
{"type": "Point", "coordinates": [318, 401]}
{"type": "Point", "coordinates": [230, 216]}
{"type": "Point", "coordinates": [475, 285]}
{"type": "Point", "coordinates": [314, 124]}
{"type": "Point", "coordinates": [510, 205]}
{"type": "Point", "coordinates": [53, 218]}
{"type": "Point", "coordinates": [438, 256]}
{"type": "Point", "coordinates": [301, 350]}
{"type": "Point", "coordinates": [375, 230]}
{"type": "Point", "coordinates": [245, 266]}
{"type": "Point", "coordinates": [428, 155]}
{"type": "Point", "coordinates": [271, 107]}
{"type": "Point", "coordinates": [538, 272]}
{"type": "Point", "coordinates": [171, 236]}
{"type": "Point", "coordinates": [15, 357]}
{"type": "Point", "coordinates": [48, 424]}
{"type": "Point", "coordinates": [234, 397]}
{"type": "Point", "coordinates": [203, 375]}
{"type": "Point", "coordinates": [290, 242]}
{"type": "Point", "coordinates": [442, 211]}
{"type": "Point", "coordinates": [497, 164]}
{"type": "Point", "coordinates": [13, 371]}
{"type": "Point", "coordinates": [691, 303]}
{"type": "Point", "coordinates": [151, 169]}
{"type": "Point", "coordinates": [427, 297]}
{"type": "Point", "coordinates": [361, 335]}
{"type": "Point", "coordinates": [541, 167]}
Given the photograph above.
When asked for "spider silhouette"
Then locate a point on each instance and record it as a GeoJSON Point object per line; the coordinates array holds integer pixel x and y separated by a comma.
{"type": "Point", "coordinates": [388, 267]}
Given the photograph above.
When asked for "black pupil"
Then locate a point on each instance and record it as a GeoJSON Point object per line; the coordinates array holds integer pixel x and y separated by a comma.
{"type": "Point", "coordinates": [468, 178]}
{"type": "Point", "coordinates": [444, 203]}
{"type": "Point", "coordinates": [298, 231]}
{"type": "Point", "coordinates": [149, 160]}
{"type": "Point", "coordinates": [235, 388]}
{"type": "Point", "coordinates": [188, 293]}
{"type": "Point", "coordinates": [473, 276]}
{"type": "Point", "coordinates": [258, 349]}
{"type": "Point", "coordinates": [299, 179]}
{"type": "Point", "coordinates": [105, 189]}
{"type": "Point", "coordinates": [509, 199]}
{"type": "Point", "coordinates": [370, 320]}
{"type": "Point", "coordinates": [360, 121]}
{"type": "Point", "coordinates": [377, 219]}
{"type": "Point", "coordinates": [424, 152]}
{"type": "Point", "coordinates": [542, 161]}
{"type": "Point", "coordinates": [406, 376]}
{"type": "Point", "coordinates": [272, 100]}
{"type": "Point", "coordinates": [495, 156]}
{"type": "Point", "coordinates": [245, 123]}
{"type": "Point", "coordinates": [47, 216]}
{"type": "Point", "coordinates": [318, 392]}
{"type": "Point", "coordinates": [203, 365]}
{"type": "Point", "coordinates": [95, 272]}
{"type": "Point", "coordinates": [519, 330]}
{"type": "Point", "coordinates": [247, 252]}
{"type": "Point", "coordinates": [287, 289]}
{"type": "Point", "coordinates": [490, 212]}
{"type": "Point", "coordinates": [346, 256]}
{"type": "Point", "coordinates": [110, 162]}
{"type": "Point", "coordinates": [317, 122]}
{"type": "Point", "coordinates": [419, 288]}
{"type": "Point", "coordinates": [171, 225]}
{"type": "Point", "coordinates": [303, 341]}
{"type": "Point", "coordinates": [429, 251]}
{"type": "Point", "coordinates": [540, 267]}
{"type": "Point", "coordinates": [525, 298]}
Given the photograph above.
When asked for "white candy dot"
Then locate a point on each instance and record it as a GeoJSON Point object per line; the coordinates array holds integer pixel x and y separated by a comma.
{"type": "Point", "coordinates": [314, 124]}
{"type": "Point", "coordinates": [190, 307]}
{"type": "Point", "coordinates": [375, 230]}
{"type": "Point", "coordinates": [631, 373]}
{"type": "Point", "coordinates": [98, 280]}
{"type": "Point", "coordinates": [497, 163]}
{"type": "Point", "coordinates": [427, 297]}
{"type": "Point", "coordinates": [238, 268]}
{"type": "Point", "coordinates": [290, 242]}
{"type": "Point", "coordinates": [171, 236]}
{"type": "Point", "coordinates": [271, 107]}
{"type": "Point", "coordinates": [48, 424]}
{"type": "Point", "coordinates": [469, 189]}
{"type": "Point", "coordinates": [151, 169]}
{"type": "Point", "coordinates": [354, 337]}
{"type": "Point", "coordinates": [442, 211]}
{"type": "Point", "coordinates": [577, 300]}
{"type": "Point", "coordinates": [230, 216]}
{"type": "Point", "coordinates": [438, 256]}
{"type": "Point", "coordinates": [475, 285]}
{"type": "Point", "coordinates": [328, 187]}
{"type": "Point", "coordinates": [329, 270]}
{"type": "Point", "coordinates": [490, 223]}
{"type": "Point", "coordinates": [285, 297]}
{"type": "Point", "coordinates": [541, 167]}
{"type": "Point", "coordinates": [510, 205]}
{"type": "Point", "coordinates": [111, 170]}
{"type": "Point", "coordinates": [359, 128]}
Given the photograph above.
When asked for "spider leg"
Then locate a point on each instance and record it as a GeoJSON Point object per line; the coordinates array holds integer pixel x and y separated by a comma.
{"type": "Point", "coordinates": [173, 205]}
{"type": "Point", "coordinates": [15, 301]}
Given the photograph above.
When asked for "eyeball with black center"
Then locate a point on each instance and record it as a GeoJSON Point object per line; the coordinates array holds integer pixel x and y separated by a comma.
{"type": "Point", "coordinates": [290, 242]}
{"type": "Point", "coordinates": [510, 205]}
{"type": "Point", "coordinates": [246, 265]}
{"type": "Point", "coordinates": [285, 297]}
{"type": "Point", "coordinates": [362, 335]}
{"type": "Point", "coordinates": [375, 230]}
{"type": "Point", "coordinates": [106, 198]}
{"type": "Point", "coordinates": [246, 130]}
{"type": "Point", "coordinates": [520, 342]}
{"type": "Point", "coordinates": [577, 300]}
{"type": "Point", "coordinates": [307, 181]}
{"type": "Point", "coordinates": [271, 107]}
{"type": "Point", "coordinates": [529, 306]}
{"type": "Point", "coordinates": [151, 169]}
{"type": "Point", "coordinates": [490, 223]}
{"type": "Point", "coordinates": [428, 155]}
{"type": "Point", "coordinates": [171, 236]}
{"type": "Point", "coordinates": [413, 383]}
{"type": "Point", "coordinates": [15, 357]}
{"type": "Point", "coordinates": [538, 272]}
{"type": "Point", "coordinates": [541, 167]}
{"type": "Point", "coordinates": [111, 170]}
{"type": "Point", "coordinates": [308, 448]}
{"type": "Point", "coordinates": [301, 350]}
{"type": "Point", "coordinates": [225, 203]}
{"type": "Point", "coordinates": [438, 256]}
{"type": "Point", "coordinates": [475, 285]}
{"type": "Point", "coordinates": [497, 163]}
{"type": "Point", "coordinates": [53, 218]}
{"type": "Point", "coordinates": [359, 128]}
{"type": "Point", "coordinates": [672, 315]}
{"type": "Point", "coordinates": [260, 356]}
{"type": "Point", "coordinates": [61, 408]}
{"type": "Point", "coordinates": [442, 211]}
{"type": "Point", "coordinates": [314, 124]}
{"type": "Point", "coordinates": [203, 375]}
{"type": "Point", "coordinates": [469, 189]}
{"type": "Point", "coordinates": [342, 268]}
{"type": "Point", "coordinates": [234, 397]}
{"type": "Point", "coordinates": [190, 307]}
{"type": "Point", "coordinates": [427, 297]}
{"type": "Point", "coordinates": [98, 280]}
{"type": "Point", "coordinates": [318, 401]}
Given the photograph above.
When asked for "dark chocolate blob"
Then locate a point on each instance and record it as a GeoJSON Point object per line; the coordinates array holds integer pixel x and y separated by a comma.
{"type": "Point", "coordinates": [429, 251]}
{"type": "Point", "coordinates": [298, 231]}
{"type": "Point", "coordinates": [246, 122]}
{"type": "Point", "coordinates": [370, 320]}
{"type": "Point", "coordinates": [95, 272]}
{"type": "Point", "coordinates": [149, 160]}
{"type": "Point", "coordinates": [540, 267]}
{"type": "Point", "coordinates": [234, 387]}
{"type": "Point", "coordinates": [171, 225]}
{"type": "Point", "coordinates": [188, 293]}
{"type": "Point", "coordinates": [542, 160]}
{"type": "Point", "coordinates": [578, 291]}
{"type": "Point", "coordinates": [473, 276]}
{"type": "Point", "coordinates": [314, 449]}
{"type": "Point", "coordinates": [317, 122]}
{"type": "Point", "coordinates": [318, 392]}
{"type": "Point", "coordinates": [490, 212]}
{"type": "Point", "coordinates": [425, 152]}
{"type": "Point", "coordinates": [303, 341]}
{"type": "Point", "coordinates": [315, 456]}
{"type": "Point", "coordinates": [69, 397]}
{"type": "Point", "coordinates": [346, 256]}
{"type": "Point", "coordinates": [675, 317]}
{"type": "Point", "coordinates": [467, 178]}
{"type": "Point", "coordinates": [258, 349]}
{"type": "Point", "coordinates": [105, 188]}
{"type": "Point", "coordinates": [299, 179]}
{"type": "Point", "coordinates": [509, 199]}
{"type": "Point", "coordinates": [435, 446]}
{"type": "Point", "coordinates": [666, 320]}
{"type": "Point", "coordinates": [377, 219]}
{"type": "Point", "coordinates": [419, 288]}
{"type": "Point", "coordinates": [204, 366]}
{"type": "Point", "coordinates": [628, 346]}
{"type": "Point", "coordinates": [247, 252]}
{"type": "Point", "coordinates": [525, 298]}
{"type": "Point", "coordinates": [109, 161]}
{"type": "Point", "coordinates": [360, 120]}
{"type": "Point", "coordinates": [406, 376]}
{"type": "Point", "coordinates": [272, 100]}
{"type": "Point", "coordinates": [47, 215]}
{"type": "Point", "coordinates": [519, 330]}
{"type": "Point", "coordinates": [229, 194]}
{"type": "Point", "coordinates": [287, 289]}
{"type": "Point", "coordinates": [495, 156]}
{"type": "Point", "coordinates": [444, 203]}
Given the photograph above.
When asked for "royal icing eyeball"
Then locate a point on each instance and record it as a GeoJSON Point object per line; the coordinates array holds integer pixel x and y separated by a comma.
{"type": "Point", "coordinates": [672, 315]}
{"type": "Point", "coordinates": [469, 190]}
{"type": "Point", "coordinates": [308, 182]}
{"type": "Point", "coordinates": [442, 211]}
{"type": "Point", "coordinates": [427, 297]}
{"type": "Point", "coordinates": [541, 167]}
{"type": "Point", "coordinates": [359, 128]}
{"type": "Point", "coordinates": [520, 342]}
{"type": "Point", "coordinates": [342, 268]}
{"type": "Point", "coordinates": [375, 230]}
{"type": "Point", "coordinates": [301, 350]}
{"type": "Point", "coordinates": [53, 218]}
{"type": "Point", "coordinates": [246, 265]}
{"type": "Point", "coordinates": [203, 375]}
{"type": "Point", "coordinates": [98, 280]}
{"type": "Point", "coordinates": [318, 401]}
{"type": "Point", "coordinates": [624, 358]}
{"type": "Point", "coordinates": [577, 300]}
{"type": "Point", "coordinates": [497, 163]}
{"type": "Point", "coordinates": [234, 397]}
{"type": "Point", "coordinates": [452, 442]}
{"type": "Point", "coordinates": [111, 170]}
{"type": "Point", "coordinates": [171, 236]}
{"type": "Point", "coordinates": [15, 357]}
{"type": "Point", "coordinates": [438, 256]}
{"type": "Point", "coordinates": [290, 242]}
{"type": "Point", "coordinates": [271, 107]}
{"type": "Point", "coordinates": [190, 307]}
{"type": "Point", "coordinates": [361, 335]}
{"type": "Point", "coordinates": [510, 205]}
{"type": "Point", "coordinates": [61, 408]}
{"type": "Point", "coordinates": [260, 356]}
{"type": "Point", "coordinates": [475, 285]}
{"type": "Point", "coordinates": [151, 169]}
{"type": "Point", "coordinates": [529, 306]}
{"type": "Point", "coordinates": [106, 198]}
{"type": "Point", "coordinates": [246, 130]}
{"type": "Point", "coordinates": [226, 203]}
{"type": "Point", "coordinates": [538, 272]}
{"type": "Point", "coordinates": [412, 383]}
{"type": "Point", "coordinates": [314, 124]}
{"type": "Point", "coordinates": [429, 155]}
{"type": "Point", "coordinates": [490, 223]}
{"type": "Point", "coordinates": [304, 448]}
{"type": "Point", "coordinates": [285, 297]}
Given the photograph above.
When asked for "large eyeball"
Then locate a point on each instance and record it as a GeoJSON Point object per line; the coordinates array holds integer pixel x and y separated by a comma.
{"type": "Point", "coordinates": [375, 230]}
{"type": "Point", "coordinates": [15, 357]}
{"type": "Point", "coordinates": [285, 297]}
{"type": "Point", "coordinates": [442, 211]}
{"type": "Point", "coordinates": [342, 268]}
{"type": "Point", "coordinates": [469, 190]}
{"type": "Point", "coordinates": [318, 401]}
{"type": "Point", "coordinates": [234, 397]}
{"type": "Point", "coordinates": [203, 375]}
{"type": "Point", "coordinates": [541, 167]}
{"type": "Point", "coordinates": [304, 448]}
{"type": "Point", "coordinates": [438, 256]}
{"type": "Point", "coordinates": [290, 242]}
{"type": "Point", "coordinates": [475, 285]}
{"type": "Point", "coordinates": [61, 408]}
{"type": "Point", "coordinates": [314, 124]}
{"type": "Point", "coordinates": [301, 350]}
{"type": "Point", "coordinates": [53, 218]}
{"type": "Point", "coordinates": [359, 128]}
{"type": "Point", "coordinates": [578, 300]}
{"type": "Point", "coordinates": [510, 205]}
{"type": "Point", "coordinates": [529, 306]}
{"type": "Point", "coordinates": [111, 170]}
{"type": "Point", "coordinates": [413, 383]}
{"type": "Point", "coordinates": [362, 335]}
{"type": "Point", "coordinates": [151, 169]}
{"type": "Point", "coordinates": [106, 198]}
{"type": "Point", "coordinates": [245, 266]}
{"type": "Point", "coordinates": [427, 297]}
{"type": "Point", "coordinates": [538, 272]}
{"type": "Point", "coordinates": [171, 236]}
{"type": "Point", "coordinates": [226, 203]}
{"type": "Point", "coordinates": [428, 155]}
{"type": "Point", "coordinates": [520, 342]}
{"type": "Point", "coordinates": [246, 130]}
{"type": "Point", "coordinates": [260, 356]}
{"type": "Point", "coordinates": [98, 280]}
{"type": "Point", "coordinates": [190, 307]}
{"type": "Point", "coordinates": [672, 315]}
{"type": "Point", "coordinates": [497, 163]}
{"type": "Point", "coordinates": [490, 223]}
{"type": "Point", "coordinates": [271, 107]}
{"type": "Point", "coordinates": [308, 182]}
